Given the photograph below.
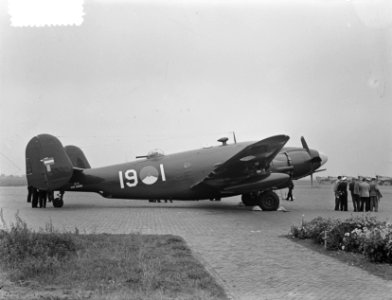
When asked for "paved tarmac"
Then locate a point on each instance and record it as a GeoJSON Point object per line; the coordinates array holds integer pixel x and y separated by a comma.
{"type": "Point", "coordinates": [247, 251]}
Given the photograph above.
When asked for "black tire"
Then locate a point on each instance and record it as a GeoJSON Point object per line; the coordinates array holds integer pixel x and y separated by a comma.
{"type": "Point", "coordinates": [57, 202]}
{"type": "Point", "coordinates": [249, 200]}
{"type": "Point", "coordinates": [268, 201]}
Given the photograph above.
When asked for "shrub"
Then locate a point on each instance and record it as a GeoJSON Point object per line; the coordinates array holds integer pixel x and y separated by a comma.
{"type": "Point", "coordinates": [376, 244]}
{"type": "Point", "coordinates": [338, 234]}
{"type": "Point", "coordinates": [361, 234]}
{"type": "Point", "coordinates": [388, 250]}
{"type": "Point", "coordinates": [315, 229]}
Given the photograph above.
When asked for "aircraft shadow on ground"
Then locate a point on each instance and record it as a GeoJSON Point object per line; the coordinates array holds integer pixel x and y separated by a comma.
{"type": "Point", "coordinates": [153, 206]}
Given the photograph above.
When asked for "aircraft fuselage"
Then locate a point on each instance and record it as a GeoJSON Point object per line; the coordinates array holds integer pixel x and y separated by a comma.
{"type": "Point", "coordinates": [172, 176]}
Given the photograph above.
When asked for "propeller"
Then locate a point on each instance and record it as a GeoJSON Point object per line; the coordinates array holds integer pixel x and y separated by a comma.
{"type": "Point", "coordinates": [314, 158]}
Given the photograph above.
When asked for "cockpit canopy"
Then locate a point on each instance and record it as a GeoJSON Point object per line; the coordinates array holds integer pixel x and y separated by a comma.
{"type": "Point", "coordinates": [155, 153]}
{"type": "Point", "coordinates": [152, 154]}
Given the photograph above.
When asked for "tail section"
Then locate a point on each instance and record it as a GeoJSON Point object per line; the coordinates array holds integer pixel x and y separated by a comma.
{"type": "Point", "coordinates": [77, 157]}
{"type": "Point", "coordinates": [48, 166]}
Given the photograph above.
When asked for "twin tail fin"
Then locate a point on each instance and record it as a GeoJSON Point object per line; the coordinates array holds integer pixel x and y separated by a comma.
{"type": "Point", "coordinates": [49, 165]}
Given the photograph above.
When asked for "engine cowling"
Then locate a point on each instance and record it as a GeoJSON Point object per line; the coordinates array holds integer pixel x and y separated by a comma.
{"type": "Point", "coordinates": [271, 182]}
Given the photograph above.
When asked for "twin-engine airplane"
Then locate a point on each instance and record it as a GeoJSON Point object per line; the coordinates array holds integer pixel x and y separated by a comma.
{"type": "Point", "coordinates": [251, 169]}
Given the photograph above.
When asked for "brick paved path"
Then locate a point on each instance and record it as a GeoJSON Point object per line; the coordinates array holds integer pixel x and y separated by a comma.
{"type": "Point", "coordinates": [246, 250]}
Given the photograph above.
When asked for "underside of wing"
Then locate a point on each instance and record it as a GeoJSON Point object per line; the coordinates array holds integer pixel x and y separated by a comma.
{"type": "Point", "coordinates": [250, 163]}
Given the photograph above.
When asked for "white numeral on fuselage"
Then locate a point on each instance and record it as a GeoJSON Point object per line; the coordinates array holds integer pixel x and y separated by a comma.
{"type": "Point", "coordinates": [130, 176]}
{"type": "Point", "coordinates": [148, 175]}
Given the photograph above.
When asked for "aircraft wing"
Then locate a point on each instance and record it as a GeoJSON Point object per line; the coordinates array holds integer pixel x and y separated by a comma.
{"type": "Point", "coordinates": [251, 162]}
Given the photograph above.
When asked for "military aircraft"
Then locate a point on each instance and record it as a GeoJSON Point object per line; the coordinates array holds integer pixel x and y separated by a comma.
{"type": "Point", "coordinates": [251, 169]}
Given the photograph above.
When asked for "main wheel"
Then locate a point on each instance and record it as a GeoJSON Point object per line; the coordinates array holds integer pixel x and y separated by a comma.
{"type": "Point", "coordinates": [268, 201]}
{"type": "Point", "coordinates": [249, 200]}
{"type": "Point", "coordinates": [58, 202]}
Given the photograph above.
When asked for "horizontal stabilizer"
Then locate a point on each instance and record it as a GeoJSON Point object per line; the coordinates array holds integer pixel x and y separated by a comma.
{"type": "Point", "coordinates": [48, 166]}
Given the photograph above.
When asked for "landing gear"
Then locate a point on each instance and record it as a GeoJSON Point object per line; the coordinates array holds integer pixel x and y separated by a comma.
{"type": "Point", "coordinates": [268, 201]}
{"type": "Point", "coordinates": [58, 202]}
{"type": "Point", "coordinates": [249, 199]}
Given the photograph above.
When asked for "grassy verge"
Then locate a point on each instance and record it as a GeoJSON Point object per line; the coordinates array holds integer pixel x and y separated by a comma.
{"type": "Point", "coordinates": [52, 265]}
{"type": "Point", "coordinates": [353, 259]}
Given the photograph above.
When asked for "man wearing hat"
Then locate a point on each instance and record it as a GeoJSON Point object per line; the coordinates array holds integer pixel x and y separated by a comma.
{"type": "Point", "coordinates": [353, 196]}
{"type": "Point", "coordinates": [335, 190]}
{"type": "Point", "coordinates": [342, 192]}
{"type": "Point", "coordinates": [364, 189]}
{"type": "Point", "coordinates": [374, 194]}
{"type": "Point", "coordinates": [357, 194]}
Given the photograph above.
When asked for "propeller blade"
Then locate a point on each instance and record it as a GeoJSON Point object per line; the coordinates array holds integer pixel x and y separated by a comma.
{"type": "Point", "coordinates": [314, 155]}
{"type": "Point", "coordinates": [304, 144]}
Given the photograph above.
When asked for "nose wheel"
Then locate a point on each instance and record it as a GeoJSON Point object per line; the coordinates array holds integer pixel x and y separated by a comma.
{"type": "Point", "coordinates": [58, 202]}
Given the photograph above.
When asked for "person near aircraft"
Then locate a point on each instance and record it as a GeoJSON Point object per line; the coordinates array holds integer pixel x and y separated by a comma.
{"type": "Point", "coordinates": [351, 189]}
{"type": "Point", "coordinates": [335, 190]}
{"type": "Point", "coordinates": [290, 192]}
{"type": "Point", "coordinates": [374, 194]}
{"type": "Point", "coordinates": [357, 195]}
{"type": "Point", "coordinates": [364, 188]}
{"type": "Point", "coordinates": [342, 193]}
{"type": "Point", "coordinates": [50, 196]}
{"type": "Point", "coordinates": [30, 190]}
{"type": "Point", "coordinates": [34, 201]}
{"type": "Point", "coordinates": [42, 198]}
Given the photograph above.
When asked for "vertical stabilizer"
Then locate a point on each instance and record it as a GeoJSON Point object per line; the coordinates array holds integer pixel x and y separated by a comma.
{"type": "Point", "coordinates": [48, 166]}
{"type": "Point", "coordinates": [77, 157]}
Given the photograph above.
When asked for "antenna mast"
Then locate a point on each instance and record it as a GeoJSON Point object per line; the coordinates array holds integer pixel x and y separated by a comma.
{"type": "Point", "coordinates": [235, 140]}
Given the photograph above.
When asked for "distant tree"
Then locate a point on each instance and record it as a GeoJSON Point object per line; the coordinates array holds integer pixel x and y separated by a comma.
{"type": "Point", "coordinates": [12, 180]}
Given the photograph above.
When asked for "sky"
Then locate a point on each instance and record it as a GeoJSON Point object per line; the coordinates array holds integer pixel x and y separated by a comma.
{"type": "Point", "coordinates": [174, 75]}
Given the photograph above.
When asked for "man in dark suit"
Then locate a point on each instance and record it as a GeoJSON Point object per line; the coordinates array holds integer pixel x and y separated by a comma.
{"type": "Point", "coordinates": [342, 192]}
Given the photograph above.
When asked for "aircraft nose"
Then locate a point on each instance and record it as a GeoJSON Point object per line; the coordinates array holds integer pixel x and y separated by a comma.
{"type": "Point", "coordinates": [323, 157]}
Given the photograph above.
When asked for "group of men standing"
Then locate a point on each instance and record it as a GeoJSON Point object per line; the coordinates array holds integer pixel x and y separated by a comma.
{"type": "Point", "coordinates": [38, 197]}
{"type": "Point", "coordinates": [365, 194]}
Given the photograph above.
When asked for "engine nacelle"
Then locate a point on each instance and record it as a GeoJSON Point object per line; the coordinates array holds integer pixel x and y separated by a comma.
{"type": "Point", "coordinates": [272, 181]}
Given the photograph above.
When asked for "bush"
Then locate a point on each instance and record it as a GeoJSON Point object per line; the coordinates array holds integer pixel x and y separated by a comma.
{"type": "Point", "coordinates": [314, 229]}
{"type": "Point", "coordinates": [361, 234]}
{"type": "Point", "coordinates": [375, 244]}
{"type": "Point", "coordinates": [338, 234]}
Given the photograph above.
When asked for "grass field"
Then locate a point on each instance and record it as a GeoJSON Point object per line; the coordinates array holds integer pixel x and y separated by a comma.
{"type": "Point", "coordinates": [52, 265]}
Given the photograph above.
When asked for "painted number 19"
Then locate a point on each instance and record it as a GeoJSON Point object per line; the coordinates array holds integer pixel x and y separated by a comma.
{"type": "Point", "coordinates": [148, 175]}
